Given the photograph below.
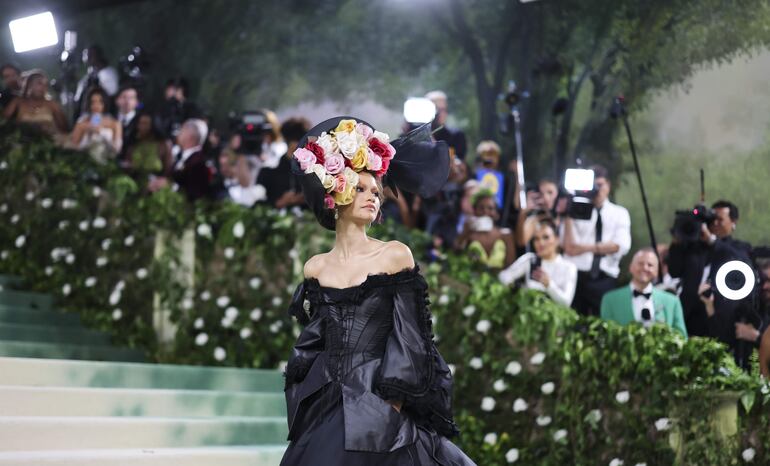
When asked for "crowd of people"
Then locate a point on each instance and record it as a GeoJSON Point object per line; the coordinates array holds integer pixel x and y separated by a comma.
{"type": "Point", "coordinates": [575, 261]}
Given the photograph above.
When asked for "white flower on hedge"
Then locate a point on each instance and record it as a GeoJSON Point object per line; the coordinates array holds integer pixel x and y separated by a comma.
{"type": "Point", "coordinates": [483, 326]}
{"type": "Point", "coordinates": [559, 435]}
{"type": "Point", "coordinates": [97, 191]}
{"type": "Point", "coordinates": [226, 322]}
{"type": "Point", "coordinates": [452, 368]}
{"type": "Point", "coordinates": [29, 196]}
{"type": "Point", "coordinates": [245, 332]}
{"type": "Point", "coordinates": [277, 301]}
{"type": "Point", "coordinates": [512, 455]}
{"type": "Point", "coordinates": [205, 296]}
{"type": "Point", "coordinates": [229, 253]}
{"type": "Point", "coordinates": [99, 222]}
{"type": "Point", "coordinates": [543, 421]}
{"type": "Point", "coordinates": [622, 397]}
{"type": "Point", "coordinates": [499, 385]}
{"type": "Point", "coordinates": [204, 230]}
{"type": "Point", "coordinates": [187, 304]}
{"type": "Point", "coordinates": [490, 438]}
{"type": "Point", "coordinates": [83, 225]}
{"type": "Point", "coordinates": [487, 403]}
{"type": "Point", "coordinates": [201, 339]}
{"type": "Point", "coordinates": [3, 165]}
{"type": "Point", "coordinates": [199, 323]}
{"type": "Point", "coordinates": [469, 310]}
{"type": "Point", "coordinates": [3, 208]}
{"type": "Point", "coordinates": [141, 274]}
{"type": "Point", "coordinates": [219, 353]}
{"type": "Point", "coordinates": [4, 255]}
{"type": "Point", "coordinates": [69, 258]}
{"type": "Point", "coordinates": [255, 314]}
{"type": "Point", "coordinates": [663, 423]}
{"type": "Point", "coordinates": [128, 241]}
{"type": "Point", "coordinates": [20, 240]}
{"type": "Point", "coordinates": [537, 358]}
{"type": "Point", "coordinates": [547, 388]}
{"type": "Point", "coordinates": [101, 261]}
{"type": "Point", "coordinates": [748, 455]}
{"type": "Point", "coordinates": [68, 204]}
{"type": "Point", "coordinates": [117, 314]}
{"type": "Point", "coordinates": [476, 363]}
{"type": "Point", "coordinates": [223, 301]}
{"type": "Point", "coordinates": [616, 462]}
{"type": "Point", "coordinates": [15, 219]}
{"type": "Point", "coordinates": [48, 270]}
{"type": "Point", "coordinates": [239, 229]}
{"type": "Point", "coordinates": [64, 224]}
{"type": "Point", "coordinates": [106, 244]}
{"type": "Point", "coordinates": [120, 285]}
{"type": "Point", "coordinates": [513, 368]}
{"type": "Point", "coordinates": [293, 253]}
{"type": "Point", "coordinates": [594, 416]}
{"type": "Point", "coordinates": [46, 203]}
{"type": "Point", "coordinates": [231, 313]}
{"type": "Point", "coordinates": [115, 296]}
{"type": "Point", "coordinates": [255, 283]}
{"type": "Point", "coordinates": [275, 326]}
{"type": "Point", "coordinates": [90, 281]}
{"type": "Point", "coordinates": [66, 289]}
{"type": "Point", "coordinates": [520, 405]}
{"type": "Point", "coordinates": [443, 299]}
{"type": "Point", "coordinates": [640, 464]}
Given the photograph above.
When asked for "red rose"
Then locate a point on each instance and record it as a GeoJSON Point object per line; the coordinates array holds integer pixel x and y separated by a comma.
{"type": "Point", "coordinates": [380, 148]}
{"type": "Point", "coordinates": [316, 150]}
{"type": "Point", "coordinates": [385, 165]}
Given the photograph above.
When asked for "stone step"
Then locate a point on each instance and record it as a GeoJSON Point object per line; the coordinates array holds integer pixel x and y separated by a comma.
{"type": "Point", "coordinates": [268, 455]}
{"type": "Point", "coordinates": [21, 315]}
{"type": "Point", "coordinates": [42, 301]}
{"type": "Point", "coordinates": [74, 335]}
{"type": "Point", "coordinates": [25, 349]}
{"type": "Point", "coordinates": [62, 373]}
{"type": "Point", "coordinates": [92, 402]}
{"type": "Point", "coordinates": [84, 433]}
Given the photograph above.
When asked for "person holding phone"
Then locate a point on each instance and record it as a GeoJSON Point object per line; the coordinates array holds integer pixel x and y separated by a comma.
{"type": "Point", "coordinates": [545, 269]}
{"type": "Point", "coordinates": [97, 126]}
{"type": "Point", "coordinates": [481, 238]}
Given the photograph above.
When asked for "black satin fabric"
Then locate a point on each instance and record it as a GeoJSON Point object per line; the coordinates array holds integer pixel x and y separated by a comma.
{"type": "Point", "coordinates": [361, 346]}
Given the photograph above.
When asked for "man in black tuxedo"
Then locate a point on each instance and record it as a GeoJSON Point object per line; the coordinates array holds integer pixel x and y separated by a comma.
{"type": "Point", "coordinates": [697, 264]}
{"type": "Point", "coordinates": [453, 137]}
{"type": "Point", "coordinates": [127, 103]}
{"type": "Point", "coordinates": [190, 173]}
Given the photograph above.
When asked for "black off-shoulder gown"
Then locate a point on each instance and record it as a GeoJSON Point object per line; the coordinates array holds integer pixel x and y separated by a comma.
{"type": "Point", "coordinates": [361, 346]}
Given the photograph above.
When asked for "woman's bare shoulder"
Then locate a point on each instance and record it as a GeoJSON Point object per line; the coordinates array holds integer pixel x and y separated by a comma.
{"type": "Point", "coordinates": [314, 265]}
{"type": "Point", "coordinates": [397, 256]}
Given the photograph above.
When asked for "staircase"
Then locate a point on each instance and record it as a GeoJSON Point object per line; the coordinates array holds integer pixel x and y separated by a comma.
{"type": "Point", "coordinates": [67, 397]}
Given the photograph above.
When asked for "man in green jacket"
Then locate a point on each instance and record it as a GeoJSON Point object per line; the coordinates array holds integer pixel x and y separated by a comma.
{"type": "Point", "coordinates": [639, 301]}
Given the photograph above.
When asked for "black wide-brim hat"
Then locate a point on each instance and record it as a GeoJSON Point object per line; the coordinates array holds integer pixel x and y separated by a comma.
{"type": "Point", "coordinates": [420, 166]}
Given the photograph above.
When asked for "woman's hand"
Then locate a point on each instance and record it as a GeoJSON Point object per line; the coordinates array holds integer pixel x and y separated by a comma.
{"type": "Point", "coordinates": [708, 301]}
{"type": "Point", "coordinates": [539, 275]}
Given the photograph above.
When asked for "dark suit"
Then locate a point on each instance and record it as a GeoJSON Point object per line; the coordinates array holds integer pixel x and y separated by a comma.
{"type": "Point", "coordinates": [455, 139]}
{"type": "Point", "coordinates": [193, 176]}
{"type": "Point", "coordinates": [129, 136]}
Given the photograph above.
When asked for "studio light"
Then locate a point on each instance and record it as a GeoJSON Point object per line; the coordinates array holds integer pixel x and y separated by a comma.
{"type": "Point", "coordinates": [33, 32]}
{"type": "Point", "coordinates": [578, 179]}
{"type": "Point", "coordinates": [419, 110]}
{"type": "Point", "coordinates": [732, 293]}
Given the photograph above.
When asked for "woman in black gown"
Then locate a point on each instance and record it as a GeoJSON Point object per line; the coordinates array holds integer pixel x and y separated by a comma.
{"type": "Point", "coordinates": [365, 384]}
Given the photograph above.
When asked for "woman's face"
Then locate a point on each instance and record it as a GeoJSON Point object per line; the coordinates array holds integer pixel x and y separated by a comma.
{"type": "Point", "coordinates": [486, 207]}
{"type": "Point", "coordinates": [144, 127]}
{"type": "Point", "coordinates": [38, 87]}
{"type": "Point", "coordinates": [550, 192]}
{"type": "Point", "coordinates": [366, 203]}
{"type": "Point", "coordinates": [97, 103]}
{"type": "Point", "coordinates": [546, 242]}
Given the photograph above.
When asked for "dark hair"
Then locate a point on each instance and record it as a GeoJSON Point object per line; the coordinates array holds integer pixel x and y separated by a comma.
{"type": "Point", "coordinates": [294, 128]}
{"type": "Point", "coordinates": [11, 66]}
{"type": "Point", "coordinates": [548, 222]}
{"type": "Point", "coordinates": [128, 86]}
{"type": "Point", "coordinates": [179, 82]}
{"type": "Point", "coordinates": [157, 134]}
{"type": "Point", "coordinates": [721, 204]}
{"type": "Point", "coordinates": [600, 172]}
{"type": "Point", "coordinates": [92, 92]}
{"type": "Point", "coordinates": [547, 181]}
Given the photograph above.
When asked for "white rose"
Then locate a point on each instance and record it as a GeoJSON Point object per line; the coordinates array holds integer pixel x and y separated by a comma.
{"type": "Point", "coordinates": [4, 255]}
{"type": "Point", "coordinates": [622, 397]}
{"type": "Point", "coordinates": [48, 270]}
{"type": "Point", "coordinates": [3, 165]}
{"type": "Point", "coordinates": [90, 281]}
{"type": "Point", "coordinates": [543, 421]}
{"type": "Point", "coordinates": [4, 208]}
{"type": "Point", "coordinates": [101, 261]}
{"type": "Point", "coordinates": [513, 368]}
{"type": "Point", "coordinates": [347, 143]}
{"type": "Point", "coordinates": [97, 191]}
{"type": "Point", "coordinates": [66, 289]}
{"type": "Point", "coordinates": [231, 313]}
{"type": "Point", "coordinates": [106, 244]}
{"type": "Point", "coordinates": [277, 301]}
{"type": "Point", "coordinates": [487, 403]}
{"type": "Point", "coordinates": [223, 301]}
{"type": "Point", "coordinates": [293, 253]}
{"type": "Point", "coordinates": [616, 462]}
{"type": "Point", "coordinates": [443, 300]}
{"type": "Point", "coordinates": [469, 310]}
{"type": "Point", "coordinates": [559, 435]}
{"type": "Point", "coordinates": [255, 283]}
{"type": "Point", "coordinates": [46, 203]}
{"type": "Point", "coordinates": [640, 464]}
{"type": "Point", "coordinates": [115, 297]}
{"type": "Point", "coordinates": [99, 222]}
{"type": "Point", "coordinates": [29, 196]}
{"type": "Point", "coordinates": [351, 177]}
{"type": "Point", "coordinates": [20, 240]}
{"type": "Point", "coordinates": [64, 224]}
{"type": "Point", "coordinates": [68, 203]}
{"type": "Point", "coordinates": [490, 438]}
{"type": "Point", "coordinates": [219, 353]}
{"type": "Point", "coordinates": [327, 143]}
{"type": "Point", "coordinates": [381, 136]}
{"type": "Point", "coordinates": [537, 359]}
{"type": "Point", "coordinates": [275, 326]}
{"type": "Point", "coordinates": [245, 333]}
{"type": "Point", "coordinates": [520, 405]}
{"type": "Point", "coordinates": [120, 285]}
{"type": "Point", "coordinates": [748, 455]}
{"type": "Point", "coordinates": [199, 323]}
{"type": "Point", "coordinates": [205, 296]}
{"type": "Point", "coordinates": [512, 455]}
{"type": "Point", "coordinates": [69, 258]}
{"type": "Point", "coordinates": [255, 314]}
{"type": "Point", "coordinates": [483, 326]}
{"type": "Point", "coordinates": [663, 424]}
{"type": "Point", "coordinates": [15, 219]}
{"type": "Point", "coordinates": [141, 274]}
{"type": "Point", "coordinates": [239, 229]}
{"type": "Point", "coordinates": [201, 339]}
{"type": "Point", "coordinates": [117, 314]}
{"type": "Point", "coordinates": [476, 363]}
{"type": "Point", "coordinates": [594, 415]}
{"type": "Point", "coordinates": [547, 388]}
{"type": "Point", "coordinates": [499, 385]}
{"type": "Point", "coordinates": [83, 225]}
{"type": "Point", "coordinates": [226, 322]}
{"type": "Point", "coordinates": [204, 230]}
{"type": "Point", "coordinates": [128, 241]}
{"type": "Point", "coordinates": [229, 253]}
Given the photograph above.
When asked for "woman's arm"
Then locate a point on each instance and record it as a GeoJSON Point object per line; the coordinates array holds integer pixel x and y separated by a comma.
{"type": "Point", "coordinates": [10, 111]}
{"type": "Point", "coordinates": [77, 133]}
{"type": "Point", "coordinates": [58, 117]}
{"type": "Point", "coordinates": [516, 270]}
{"type": "Point", "coordinates": [563, 292]}
{"type": "Point", "coordinates": [510, 247]}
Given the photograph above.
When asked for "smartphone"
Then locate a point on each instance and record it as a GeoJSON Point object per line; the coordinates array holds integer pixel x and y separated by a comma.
{"type": "Point", "coordinates": [96, 119]}
{"type": "Point", "coordinates": [534, 265]}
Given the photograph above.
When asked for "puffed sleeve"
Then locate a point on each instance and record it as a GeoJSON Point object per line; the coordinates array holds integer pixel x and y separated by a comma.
{"type": "Point", "coordinates": [310, 342]}
{"type": "Point", "coordinates": [412, 370]}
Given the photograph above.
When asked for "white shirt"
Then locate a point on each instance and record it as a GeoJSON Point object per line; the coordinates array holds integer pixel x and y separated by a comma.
{"type": "Point", "coordinates": [562, 276]}
{"type": "Point", "coordinates": [640, 302]}
{"type": "Point", "coordinates": [616, 228]}
{"type": "Point", "coordinates": [125, 118]}
{"type": "Point", "coordinates": [186, 154]}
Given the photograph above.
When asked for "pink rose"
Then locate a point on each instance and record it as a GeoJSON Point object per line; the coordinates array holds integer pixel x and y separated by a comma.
{"type": "Point", "coordinates": [334, 164]}
{"type": "Point", "coordinates": [305, 158]}
{"type": "Point", "coordinates": [341, 182]}
{"type": "Point", "coordinates": [364, 131]}
{"type": "Point", "coordinates": [374, 163]}
{"type": "Point", "coordinates": [328, 201]}
{"type": "Point", "coordinates": [383, 149]}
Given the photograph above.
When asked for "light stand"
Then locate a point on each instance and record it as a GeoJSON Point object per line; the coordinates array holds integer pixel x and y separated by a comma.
{"type": "Point", "coordinates": [514, 120]}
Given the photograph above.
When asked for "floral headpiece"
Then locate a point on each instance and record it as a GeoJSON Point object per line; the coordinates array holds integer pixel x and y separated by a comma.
{"type": "Point", "coordinates": [337, 157]}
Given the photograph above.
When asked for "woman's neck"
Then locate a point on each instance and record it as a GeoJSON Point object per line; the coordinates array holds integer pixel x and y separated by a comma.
{"type": "Point", "coordinates": [550, 256]}
{"type": "Point", "coordinates": [351, 240]}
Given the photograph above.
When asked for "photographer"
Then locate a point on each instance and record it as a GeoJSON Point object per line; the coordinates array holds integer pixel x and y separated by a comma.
{"type": "Point", "coordinates": [596, 246]}
{"type": "Point", "coordinates": [453, 137]}
{"type": "Point", "coordinates": [541, 204]}
{"type": "Point", "coordinates": [696, 263]}
{"type": "Point", "coordinates": [176, 107]}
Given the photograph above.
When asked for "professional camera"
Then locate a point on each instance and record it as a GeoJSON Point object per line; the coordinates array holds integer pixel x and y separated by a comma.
{"type": "Point", "coordinates": [688, 223]}
{"type": "Point", "coordinates": [578, 200]}
{"type": "Point", "coordinates": [252, 127]}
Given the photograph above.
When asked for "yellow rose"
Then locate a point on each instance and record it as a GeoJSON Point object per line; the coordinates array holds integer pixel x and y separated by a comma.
{"type": "Point", "coordinates": [346, 196]}
{"type": "Point", "coordinates": [360, 158]}
{"type": "Point", "coordinates": [346, 126]}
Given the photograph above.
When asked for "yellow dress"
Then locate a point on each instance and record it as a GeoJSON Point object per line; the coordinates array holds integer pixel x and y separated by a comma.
{"type": "Point", "coordinates": [495, 259]}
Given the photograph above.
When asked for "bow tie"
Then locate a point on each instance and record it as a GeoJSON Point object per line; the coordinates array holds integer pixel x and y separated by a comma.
{"type": "Point", "coordinates": [639, 293]}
